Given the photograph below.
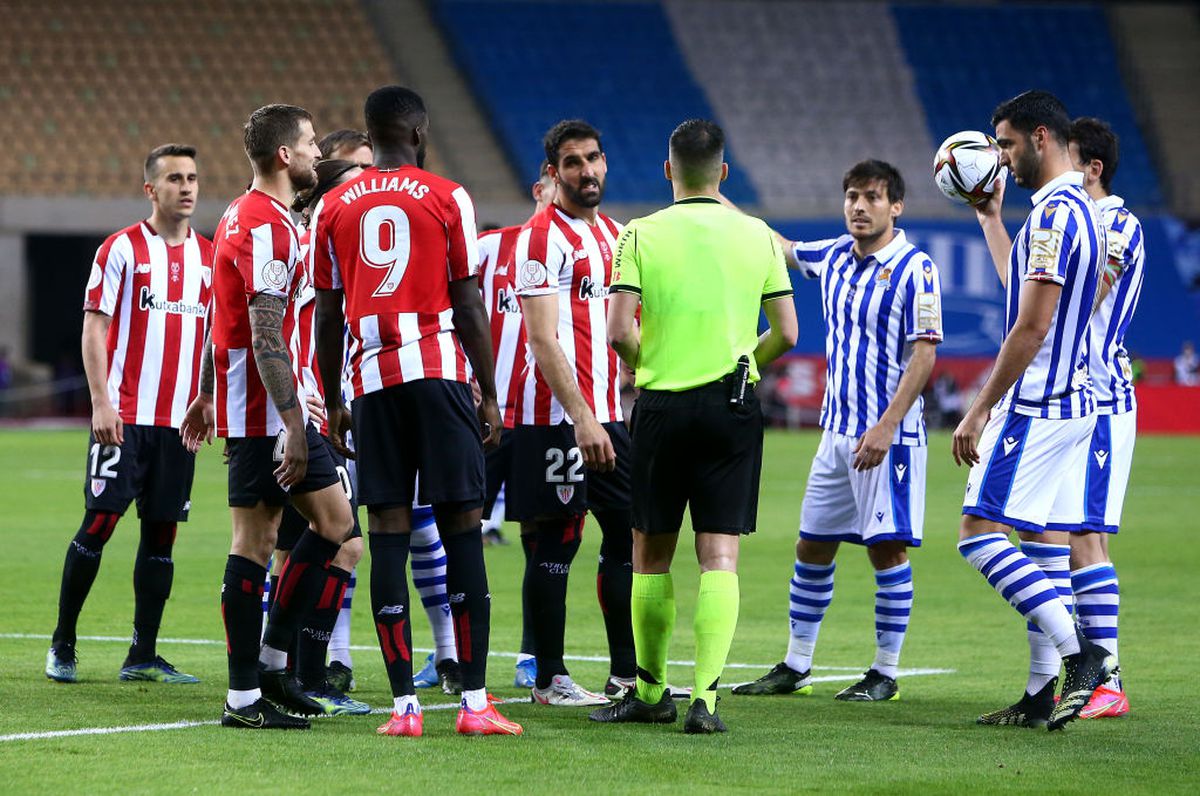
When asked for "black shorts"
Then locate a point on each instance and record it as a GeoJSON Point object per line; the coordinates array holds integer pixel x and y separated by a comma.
{"type": "Point", "coordinates": [252, 462]}
{"type": "Point", "coordinates": [151, 466]}
{"type": "Point", "coordinates": [694, 448]}
{"type": "Point", "coordinates": [294, 523]}
{"type": "Point", "coordinates": [427, 427]}
{"type": "Point", "coordinates": [549, 479]}
{"type": "Point", "coordinates": [497, 469]}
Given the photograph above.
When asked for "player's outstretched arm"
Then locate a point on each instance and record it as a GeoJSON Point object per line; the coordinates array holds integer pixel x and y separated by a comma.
{"type": "Point", "coordinates": [1038, 302]}
{"type": "Point", "coordinates": [623, 333]}
{"type": "Point", "coordinates": [471, 325]}
{"type": "Point", "coordinates": [198, 421]}
{"type": "Point", "coordinates": [782, 332]}
{"type": "Point", "coordinates": [990, 219]}
{"type": "Point", "coordinates": [106, 423]}
{"type": "Point", "coordinates": [874, 445]}
{"type": "Point", "coordinates": [275, 370]}
{"type": "Point", "coordinates": [331, 324]}
{"type": "Point", "coordinates": [541, 328]}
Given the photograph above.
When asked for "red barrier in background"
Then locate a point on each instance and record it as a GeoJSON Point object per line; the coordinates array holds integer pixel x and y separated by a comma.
{"type": "Point", "coordinates": [1168, 409]}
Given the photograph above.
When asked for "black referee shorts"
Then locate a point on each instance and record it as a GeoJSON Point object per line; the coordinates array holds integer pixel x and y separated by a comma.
{"type": "Point", "coordinates": [693, 448]}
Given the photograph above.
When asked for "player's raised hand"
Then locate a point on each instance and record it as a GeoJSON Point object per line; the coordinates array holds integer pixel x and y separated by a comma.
{"type": "Point", "coordinates": [198, 423]}
{"type": "Point", "coordinates": [993, 206]}
{"type": "Point", "coordinates": [873, 446]}
{"type": "Point", "coordinates": [966, 438]}
{"type": "Point", "coordinates": [490, 424]}
{"type": "Point", "coordinates": [339, 427]}
{"type": "Point", "coordinates": [294, 464]}
{"type": "Point", "coordinates": [595, 445]}
{"type": "Point", "coordinates": [107, 425]}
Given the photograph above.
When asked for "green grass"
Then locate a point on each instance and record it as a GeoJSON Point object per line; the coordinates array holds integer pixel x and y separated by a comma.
{"type": "Point", "coordinates": [925, 742]}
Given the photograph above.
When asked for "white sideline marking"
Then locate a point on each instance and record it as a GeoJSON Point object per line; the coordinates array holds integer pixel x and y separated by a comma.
{"type": "Point", "coordinates": [208, 642]}
{"type": "Point", "coordinates": [178, 725]}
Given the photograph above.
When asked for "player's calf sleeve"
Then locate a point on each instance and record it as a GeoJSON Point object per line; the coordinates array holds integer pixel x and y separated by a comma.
{"type": "Point", "coordinates": [545, 591]}
{"type": "Point", "coordinates": [614, 583]}
{"type": "Point", "coordinates": [652, 604]}
{"type": "Point", "coordinates": [470, 604]}
{"type": "Point", "coordinates": [316, 629]}
{"type": "Point", "coordinates": [300, 584]}
{"type": "Point", "coordinates": [1098, 603]}
{"type": "Point", "coordinates": [893, 605]}
{"type": "Point", "coordinates": [390, 607]}
{"type": "Point", "coordinates": [153, 574]}
{"type": "Point", "coordinates": [241, 611]}
{"type": "Point", "coordinates": [339, 641]}
{"type": "Point", "coordinates": [1019, 581]}
{"type": "Point", "coordinates": [1054, 562]}
{"type": "Point", "coordinates": [715, 620]}
{"type": "Point", "coordinates": [528, 545]}
{"type": "Point", "coordinates": [809, 595]}
{"type": "Point", "coordinates": [429, 578]}
{"type": "Point", "coordinates": [79, 570]}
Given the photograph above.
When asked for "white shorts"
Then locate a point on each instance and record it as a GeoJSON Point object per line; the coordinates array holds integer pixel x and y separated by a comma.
{"type": "Point", "coordinates": [1110, 458]}
{"type": "Point", "coordinates": [882, 504]}
{"type": "Point", "coordinates": [1030, 473]}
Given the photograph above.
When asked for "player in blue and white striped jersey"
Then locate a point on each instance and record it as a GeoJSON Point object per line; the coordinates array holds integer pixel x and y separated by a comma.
{"type": "Point", "coordinates": [1094, 151]}
{"type": "Point", "coordinates": [881, 298]}
{"type": "Point", "coordinates": [1028, 466]}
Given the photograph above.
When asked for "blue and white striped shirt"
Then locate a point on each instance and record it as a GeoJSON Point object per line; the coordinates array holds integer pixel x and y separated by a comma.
{"type": "Point", "coordinates": [874, 308]}
{"type": "Point", "coordinates": [1108, 365]}
{"type": "Point", "coordinates": [1062, 242]}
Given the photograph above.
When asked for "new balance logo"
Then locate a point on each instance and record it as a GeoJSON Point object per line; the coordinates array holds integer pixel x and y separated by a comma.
{"type": "Point", "coordinates": [390, 610]}
{"type": "Point", "coordinates": [457, 598]}
{"type": "Point", "coordinates": [1009, 444]}
{"type": "Point", "coordinates": [900, 471]}
{"type": "Point", "coordinates": [1101, 458]}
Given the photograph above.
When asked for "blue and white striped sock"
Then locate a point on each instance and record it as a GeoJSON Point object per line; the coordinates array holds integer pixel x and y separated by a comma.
{"type": "Point", "coordinates": [811, 593]}
{"type": "Point", "coordinates": [1098, 601]}
{"type": "Point", "coordinates": [893, 605]}
{"type": "Point", "coordinates": [1022, 583]}
{"type": "Point", "coordinates": [428, 562]}
{"type": "Point", "coordinates": [1054, 560]}
{"type": "Point", "coordinates": [339, 639]}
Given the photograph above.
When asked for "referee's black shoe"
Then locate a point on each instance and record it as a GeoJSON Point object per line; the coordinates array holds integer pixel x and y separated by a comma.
{"type": "Point", "coordinates": [873, 687]}
{"type": "Point", "coordinates": [633, 710]}
{"type": "Point", "coordinates": [281, 687]}
{"type": "Point", "coordinates": [261, 715]}
{"type": "Point", "coordinates": [700, 722]}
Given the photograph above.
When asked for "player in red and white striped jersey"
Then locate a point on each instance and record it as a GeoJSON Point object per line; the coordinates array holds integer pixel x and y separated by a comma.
{"type": "Point", "coordinates": [274, 456]}
{"type": "Point", "coordinates": [398, 244]}
{"type": "Point", "coordinates": [497, 281]}
{"type": "Point", "coordinates": [145, 310]}
{"type": "Point", "coordinates": [568, 414]}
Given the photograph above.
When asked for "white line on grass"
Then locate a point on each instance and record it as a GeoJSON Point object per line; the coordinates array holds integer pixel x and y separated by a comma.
{"type": "Point", "coordinates": [207, 642]}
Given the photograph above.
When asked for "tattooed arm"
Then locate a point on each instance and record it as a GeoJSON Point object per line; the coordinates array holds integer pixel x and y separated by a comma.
{"type": "Point", "coordinates": [275, 370]}
{"type": "Point", "coordinates": [199, 421]}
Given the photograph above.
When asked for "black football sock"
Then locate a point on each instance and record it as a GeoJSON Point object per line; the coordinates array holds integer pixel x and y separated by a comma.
{"type": "Point", "coordinates": [79, 571]}
{"type": "Point", "coordinates": [528, 545]}
{"type": "Point", "coordinates": [470, 604]}
{"type": "Point", "coordinates": [545, 590]}
{"type": "Point", "coordinates": [241, 610]}
{"type": "Point", "coordinates": [390, 607]}
{"type": "Point", "coordinates": [153, 573]}
{"type": "Point", "coordinates": [300, 584]}
{"type": "Point", "coordinates": [614, 586]}
{"type": "Point", "coordinates": [312, 642]}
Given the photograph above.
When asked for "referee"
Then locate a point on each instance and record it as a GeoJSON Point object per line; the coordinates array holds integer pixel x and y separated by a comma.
{"type": "Point", "coordinates": [701, 272]}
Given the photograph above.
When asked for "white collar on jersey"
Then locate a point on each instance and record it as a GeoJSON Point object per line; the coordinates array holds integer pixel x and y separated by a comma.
{"type": "Point", "coordinates": [885, 254]}
{"type": "Point", "coordinates": [1110, 201]}
{"type": "Point", "coordinates": [1061, 181]}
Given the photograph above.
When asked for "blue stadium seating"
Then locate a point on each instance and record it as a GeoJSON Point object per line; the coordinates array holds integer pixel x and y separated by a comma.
{"type": "Point", "coordinates": [969, 59]}
{"type": "Point", "coordinates": [616, 65]}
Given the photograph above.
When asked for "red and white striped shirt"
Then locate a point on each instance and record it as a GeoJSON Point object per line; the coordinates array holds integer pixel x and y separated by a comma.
{"type": "Point", "coordinates": [158, 297]}
{"type": "Point", "coordinates": [257, 253]}
{"type": "Point", "coordinates": [496, 281]}
{"type": "Point", "coordinates": [302, 340]}
{"type": "Point", "coordinates": [560, 255]}
{"type": "Point", "coordinates": [394, 240]}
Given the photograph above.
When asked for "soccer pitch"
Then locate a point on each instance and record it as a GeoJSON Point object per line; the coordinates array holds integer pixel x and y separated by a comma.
{"type": "Point", "coordinates": [966, 654]}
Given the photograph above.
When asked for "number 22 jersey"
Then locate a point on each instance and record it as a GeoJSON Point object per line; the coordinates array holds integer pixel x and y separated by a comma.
{"type": "Point", "coordinates": [393, 240]}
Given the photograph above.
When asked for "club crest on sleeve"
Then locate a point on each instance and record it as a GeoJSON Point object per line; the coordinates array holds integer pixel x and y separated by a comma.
{"type": "Point", "coordinates": [1044, 247]}
{"type": "Point", "coordinates": [274, 274]}
{"type": "Point", "coordinates": [565, 492]}
{"type": "Point", "coordinates": [98, 485]}
{"type": "Point", "coordinates": [532, 274]}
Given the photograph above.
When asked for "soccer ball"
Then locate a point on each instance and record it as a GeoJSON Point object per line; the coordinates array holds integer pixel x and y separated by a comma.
{"type": "Point", "coordinates": [966, 166]}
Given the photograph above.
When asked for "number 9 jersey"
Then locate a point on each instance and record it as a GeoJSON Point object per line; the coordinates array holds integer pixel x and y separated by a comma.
{"type": "Point", "coordinates": [393, 240]}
